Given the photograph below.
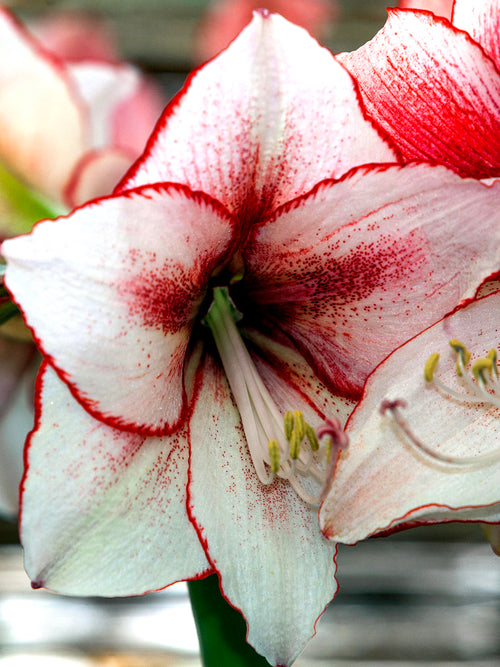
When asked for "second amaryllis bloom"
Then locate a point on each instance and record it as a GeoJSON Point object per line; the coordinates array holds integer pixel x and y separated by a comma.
{"type": "Point", "coordinates": [206, 323]}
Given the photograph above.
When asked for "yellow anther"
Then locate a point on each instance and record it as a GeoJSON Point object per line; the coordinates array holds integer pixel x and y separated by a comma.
{"type": "Point", "coordinates": [274, 455]}
{"type": "Point", "coordinates": [492, 354]}
{"type": "Point", "coordinates": [430, 367]}
{"type": "Point", "coordinates": [288, 421]}
{"type": "Point", "coordinates": [312, 437]}
{"type": "Point", "coordinates": [328, 449]}
{"type": "Point", "coordinates": [299, 423]}
{"type": "Point", "coordinates": [482, 366]}
{"type": "Point", "coordinates": [295, 441]}
{"type": "Point", "coordinates": [463, 354]}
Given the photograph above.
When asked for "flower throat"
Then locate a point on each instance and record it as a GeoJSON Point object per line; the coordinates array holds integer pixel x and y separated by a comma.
{"type": "Point", "coordinates": [282, 445]}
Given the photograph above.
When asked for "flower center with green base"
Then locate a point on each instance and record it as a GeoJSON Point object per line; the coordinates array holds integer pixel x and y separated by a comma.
{"type": "Point", "coordinates": [280, 445]}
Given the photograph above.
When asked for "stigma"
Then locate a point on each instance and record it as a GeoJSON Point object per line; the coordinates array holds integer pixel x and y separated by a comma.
{"type": "Point", "coordinates": [280, 445]}
{"type": "Point", "coordinates": [480, 384]}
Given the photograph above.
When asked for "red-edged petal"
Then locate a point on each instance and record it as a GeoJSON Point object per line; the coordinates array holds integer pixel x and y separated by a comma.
{"type": "Point", "coordinates": [96, 174]}
{"type": "Point", "coordinates": [40, 115]}
{"type": "Point", "coordinates": [111, 293]}
{"type": "Point", "coordinates": [482, 21]}
{"type": "Point", "coordinates": [382, 481]}
{"type": "Point", "coordinates": [263, 122]}
{"type": "Point", "coordinates": [433, 90]}
{"type": "Point", "coordinates": [360, 265]}
{"type": "Point", "coordinates": [438, 7]}
{"type": "Point", "coordinates": [103, 511]}
{"type": "Point", "coordinates": [263, 541]}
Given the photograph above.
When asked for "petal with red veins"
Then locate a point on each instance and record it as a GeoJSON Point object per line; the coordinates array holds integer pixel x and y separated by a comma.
{"type": "Point", "coordinates": [261, 123]}
{"type": "Point", "coordinates": [383, 481]}
{"type": "Point", "coordinates": [96, 174]}
{"type": "Point", "coordinates": [264, 542]}
{"type": "Point", "coordinates": [482, 21]}
{"type": "Point", "coordinates": [103, 511]}
{"type": "Point", "coordinates": [40, 113]}
{"type": "Point", "coordinates": [434, 92]}
{"type": "Point", "coordinates": [111, 293]}
{"type": "Point", "coordinates": [360, 265]}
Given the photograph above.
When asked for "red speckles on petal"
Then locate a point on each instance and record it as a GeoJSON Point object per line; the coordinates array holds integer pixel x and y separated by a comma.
{"type": "Point", "coordinates": [163, 298]}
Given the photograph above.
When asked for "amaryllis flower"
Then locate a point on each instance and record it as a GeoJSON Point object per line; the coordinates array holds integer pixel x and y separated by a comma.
{"type": "Point", "coordinates": [434, 88]}
{"type": "Point", "coordinates": [206, 327]}
{"type": "Point", "coordinates": [425, 449]}
{"type": "Point", "coordinates": [61, 142]}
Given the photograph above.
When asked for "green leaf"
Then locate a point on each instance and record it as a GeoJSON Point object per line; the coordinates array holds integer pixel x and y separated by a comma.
{"type": "Point", "coordinates": [20, 207]}
{"type": "Point", "coordinates": [221, 629]}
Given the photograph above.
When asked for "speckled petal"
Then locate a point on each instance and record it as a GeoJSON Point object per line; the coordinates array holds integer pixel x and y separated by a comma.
{"type": "Point", "coordinates": [360, 265]}
{"type": "Point", "coordinates": [111, 293]}
{"type": "Point", "coordinates": [433, 90]}
{"type": "Point", "coordinates": [103, 511]}
{"type": "Point", "coordinates": [382, 481]}
{"type": "Point", "coordinates": [263, 541]}
{"type": "Point", "coordinates": [261, 123]}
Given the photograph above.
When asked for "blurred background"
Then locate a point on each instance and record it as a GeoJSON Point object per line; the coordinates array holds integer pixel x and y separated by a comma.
{"type": "Point", "coordinates": [430, 596]}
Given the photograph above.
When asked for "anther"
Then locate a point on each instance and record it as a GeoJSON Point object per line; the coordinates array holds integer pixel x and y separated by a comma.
{"type": "Point", "coordinates": [295, 441]}
{"type": "Point", "coordinates": [481, 368]}
{"type": "Point", "coordinates": [299, 423]}
{"type": "Point", "coordinates": [463, 355]}
{"type": "Point", "coordinates": [288, 424]}
{"type": "Point", "coordinates": [274, 456]}
{"type": "Point", "coordinates": [430, 367]}
{"type": "Point", "coordinates": [312, 437]}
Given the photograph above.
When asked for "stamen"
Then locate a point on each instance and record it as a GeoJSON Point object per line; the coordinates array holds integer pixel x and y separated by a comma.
{"type": "Point", "coordinates": [274, 455]}
{"type": "Point", "coordinates": [482, 383]}
{"type": "Point", "coordinates": [467, 461]}
{"type": "Point", "coordinates": [286, 446]}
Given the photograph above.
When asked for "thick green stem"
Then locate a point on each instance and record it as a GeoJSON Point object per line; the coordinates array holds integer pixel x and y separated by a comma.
{"type": "Point", "coordinates": [221, 629]}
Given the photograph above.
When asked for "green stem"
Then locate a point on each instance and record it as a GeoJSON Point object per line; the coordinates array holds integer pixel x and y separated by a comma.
{"type": "Point", "coordinates": [221, 629]}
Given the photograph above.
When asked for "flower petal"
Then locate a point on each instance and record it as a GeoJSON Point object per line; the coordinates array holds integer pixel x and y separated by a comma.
{"type": "Point", "coordinates": [263, 122]}
{"type": "Point", "coordinates": [112, 292]}
{"type": "Point", "coordinates": [263, 541]}
{"type": "Point", "coordinates": [103, 511]}
{"type": "Point", "coordinates": [95, 175]}
{"type": "Point", "coordinates": [482, 21]}
{"type": "Point", "coordinates": [382, 480]}
{"type": "Point", "coordinates": [360, 265]}
{"type": "Point", "coordinates": [103, 87]}
{"type": "Point", "coordinates": [40, 113]}
{"type": "Point", "coordinates": [434, 92]}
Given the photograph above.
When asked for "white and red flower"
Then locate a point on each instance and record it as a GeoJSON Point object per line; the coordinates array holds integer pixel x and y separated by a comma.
{"type": "Point", "coordinates": [160, 451]}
